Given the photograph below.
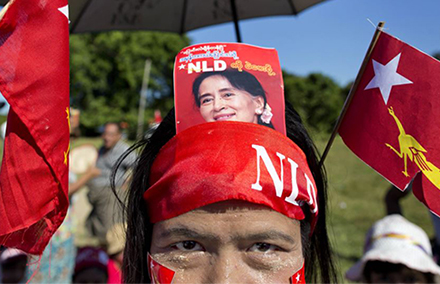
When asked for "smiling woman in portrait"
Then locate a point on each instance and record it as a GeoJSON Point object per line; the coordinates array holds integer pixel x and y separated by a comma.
{"type": "Point", "coordinates": [231, 95]}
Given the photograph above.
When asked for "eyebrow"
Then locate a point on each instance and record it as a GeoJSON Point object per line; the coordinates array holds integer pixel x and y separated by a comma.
{"type": "Point", "coordinates": [267, 235]}
{"type": "Point", "coordinates": [227, 89]}
{"type": "Point", "coordinates": [204, 95]}
{"type": "Point", "coordinates": [221, 90]}
{"type": "Point", "coordinates": [183, 231]}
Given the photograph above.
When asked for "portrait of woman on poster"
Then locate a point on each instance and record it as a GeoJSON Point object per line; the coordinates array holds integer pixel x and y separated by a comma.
{"type": "Point", "coordinates": [231, 95]}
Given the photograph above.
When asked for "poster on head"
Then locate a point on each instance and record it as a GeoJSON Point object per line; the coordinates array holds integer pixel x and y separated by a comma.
{"type": "Point", "coordinates": [228, 82]}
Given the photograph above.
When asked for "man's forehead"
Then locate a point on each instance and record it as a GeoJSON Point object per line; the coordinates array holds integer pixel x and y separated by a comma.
{"type": "Point", "coordinates": [231, 206]}
{"type": "Point", "coordinates": [235, 211]}
{"type": "Point", "coordinates": [232, 220]}
{"type": "Point", "coordinates": [220, 234]}
{"type": "Point", "coordinates": [111, 128]}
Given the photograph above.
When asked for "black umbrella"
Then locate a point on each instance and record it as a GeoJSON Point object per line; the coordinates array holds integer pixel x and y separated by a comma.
{"type": "Point", "coordinates": [177, 16]}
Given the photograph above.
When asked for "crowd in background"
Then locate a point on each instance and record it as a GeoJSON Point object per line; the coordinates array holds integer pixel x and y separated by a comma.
{"type": "Point", "coordinates": [99, 258]}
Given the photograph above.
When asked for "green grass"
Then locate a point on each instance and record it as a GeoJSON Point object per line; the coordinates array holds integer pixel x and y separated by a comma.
{"type": "Point", "coordinates": [3, 118]}
{"type": "Point", "coordinates": [95, 141]}
{"type": "Point", "coordinates": [356, 200]}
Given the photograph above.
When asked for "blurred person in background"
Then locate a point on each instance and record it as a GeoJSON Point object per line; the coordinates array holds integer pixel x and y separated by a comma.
{"type": "Point", "coordinates": [90, 266]}
{"type": "Point", "coordinates": [115, 251]}
{"type": "Point", "coordinates": [395, 251]}
{"type": "Point", "coordinates": [393, 199]}
{"type": "Point", "coordinates": [104, 209]}
{"type": "Point", "coordinates": [57, 262]}
{"type": "Point", "coordinates": [13, 266]}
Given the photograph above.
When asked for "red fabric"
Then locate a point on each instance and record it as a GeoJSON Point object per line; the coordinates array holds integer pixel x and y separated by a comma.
{"type": "Point", "coordinates": [194, 60]}
{"type": "Point", "coordinates": [114, 273]}
{"type": "Point", "coordinates": [159, 274]}
{"type": "Point", "coordinates": [218, 161]}
{"type": "Point", "coordinates": [407, 122]}
{"type": "Point", "coordinates": [34, 78]}
{"type": "Point", "coordinates": [299, 277]}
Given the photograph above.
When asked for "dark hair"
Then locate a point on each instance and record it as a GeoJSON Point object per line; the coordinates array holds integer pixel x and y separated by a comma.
{"type": "Point", "coordinates": [384, 268]}
{"type": "Point", "coordinates": [117, 124]}
{"type": "Point", "coordinates": [319, 265]}
{"type": "Point", "coordinates": [241, 80]}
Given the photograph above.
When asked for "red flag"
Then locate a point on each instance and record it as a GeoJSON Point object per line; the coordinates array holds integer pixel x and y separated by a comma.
{"type": "Point", "coordinates": [34, 79]}
{"type": "Point", "coordinates": [392, 123]}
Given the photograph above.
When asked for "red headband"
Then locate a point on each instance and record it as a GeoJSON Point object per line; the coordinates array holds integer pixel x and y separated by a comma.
{"type": "Point", "coordinates": [220, 161]}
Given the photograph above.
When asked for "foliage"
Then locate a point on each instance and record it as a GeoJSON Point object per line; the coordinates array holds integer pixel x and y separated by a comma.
{"type": "Point", "coordinates": [107, 71]}
{"type": "Point", "coordinates": [316, 97]}
{"type": "Point", "coordinates": [345, 90]}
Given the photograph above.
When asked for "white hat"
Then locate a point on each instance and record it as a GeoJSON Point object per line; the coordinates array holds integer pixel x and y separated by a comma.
{"type": "Point", "coordinates": [82, 158]}
{"type": "Point", "coordinates": [10, 253]}
{"type": "Point", "coordinates": [395, 240]}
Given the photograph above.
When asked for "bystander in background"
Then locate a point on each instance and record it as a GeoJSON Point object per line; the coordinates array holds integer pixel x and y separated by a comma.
{"type": "Point", "coordinates": [105, 210]}
{"type": "Point", "coordinates": [392, 202]}
{"type": "Point", "coordinates": [12, 266]}
{"type": "Point", "coordinates": [395, 251]}
{"type": "Point", "coordinates": [115, 251]}
{"type": "Point", "coordinates": [90, 266]}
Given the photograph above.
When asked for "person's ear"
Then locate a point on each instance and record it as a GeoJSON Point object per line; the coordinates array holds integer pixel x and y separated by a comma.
{"type": "Point", "coordinates": [259, 103]}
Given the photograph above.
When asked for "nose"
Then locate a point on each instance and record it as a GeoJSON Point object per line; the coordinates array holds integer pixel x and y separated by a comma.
{"type": "Point", "coordinates": [226, 269]}
{"type": "Point", "coordinates": [219, 104]}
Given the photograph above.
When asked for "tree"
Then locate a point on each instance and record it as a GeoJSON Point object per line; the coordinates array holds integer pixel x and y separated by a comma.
{"type": "Point", "coordinates": [107, 71]}
{"type": "Point", "coordinates": [345, 90]}
{"type": "Point", "coordinates": [316, 97]}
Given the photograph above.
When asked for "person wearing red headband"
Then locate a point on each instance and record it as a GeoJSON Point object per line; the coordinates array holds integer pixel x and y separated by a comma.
{"type": "Point", "coordinates": [231, 95]}
{"type": "Point", "coordinates": [227, 202]}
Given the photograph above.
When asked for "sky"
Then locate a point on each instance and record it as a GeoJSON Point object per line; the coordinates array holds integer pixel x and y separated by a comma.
{"type": "Point", "coordinates": [333, 37]}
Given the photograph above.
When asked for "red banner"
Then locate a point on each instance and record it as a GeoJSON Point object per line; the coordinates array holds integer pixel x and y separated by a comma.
{"type": "Point", "coordinates": [34, 79]}
{"type": "Point", "coordinates": [228, 81]}
{"type": "Point", "coordinates": [392, 123]}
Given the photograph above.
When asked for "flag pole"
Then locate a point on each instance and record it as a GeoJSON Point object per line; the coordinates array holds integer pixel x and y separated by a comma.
{"type": "Point", "coordinates": [143, 99]}
{"type": "Point", "coordinates": [352, 90]}
{"type": "Point", "coordinates": [235, 18]}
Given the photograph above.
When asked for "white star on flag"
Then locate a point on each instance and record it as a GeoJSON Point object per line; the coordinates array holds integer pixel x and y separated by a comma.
{"type": "Point", "coordinates": [65, 11]}
{"type": "Point", "coordinates": [297, 278]}
{"type": "Point", "coordinates": [182, 66]}
{"type": "Point", "coordinates": [386, 76]}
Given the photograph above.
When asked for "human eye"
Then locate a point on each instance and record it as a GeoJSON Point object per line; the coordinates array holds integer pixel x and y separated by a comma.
{"type": "Point", "coordinates": [228, 95]}
{"type": "Point", "coordinates": [187, 246]}
{"type": "Point", "coordinates": [205, 100]}
{"type": "Point", "coordinates": [264, 248]}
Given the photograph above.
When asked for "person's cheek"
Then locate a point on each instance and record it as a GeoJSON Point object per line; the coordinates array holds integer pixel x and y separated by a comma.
{"type": "Point", "coordinates": [282, 275]}
{"type": "Point", "coordinates": [178, 268]}
{"type": "Point", "coordinates": [275, 268]}
{"type": "Point", "coordinates": [159, 272]}
{"type": "Point", "coordinates": [206, 113]}
{"type": "Point", "coordinates": [189, 276]}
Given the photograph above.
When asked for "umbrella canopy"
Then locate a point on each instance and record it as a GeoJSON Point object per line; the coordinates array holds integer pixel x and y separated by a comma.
{"type": "Point", "coordinates": [177, 16]}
